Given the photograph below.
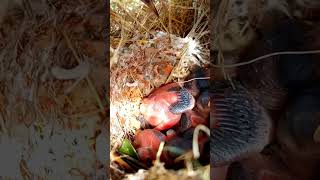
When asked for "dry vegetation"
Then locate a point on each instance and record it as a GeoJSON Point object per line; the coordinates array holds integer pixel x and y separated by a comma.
{"type": "Point", "coordinates": [53, 90]}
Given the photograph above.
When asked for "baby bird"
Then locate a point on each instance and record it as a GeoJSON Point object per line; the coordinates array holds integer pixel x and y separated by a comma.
{"type": "Point", "coordinates": [181, 144]}
{"type": "Point", "coordinates": [203, 103]}
{"type": "Point", "coordinates": [163, 108]}
{"type": "Point", "coordinates": [190, 119]}
{"type": "Point", "coordinates": [147, 143]}
{"type": "Point", "coordinates": [173, 108]}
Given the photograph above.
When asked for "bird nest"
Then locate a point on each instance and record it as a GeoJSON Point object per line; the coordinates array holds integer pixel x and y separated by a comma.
{"type": "Point", "coordinates": [147, 52]}
{"type": "Point", "coordinates": [142, 67]}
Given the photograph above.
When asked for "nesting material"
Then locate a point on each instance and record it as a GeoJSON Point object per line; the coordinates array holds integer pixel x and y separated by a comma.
{"type": "Point", "coordinates": [149, 50]}
{"type": "Point", "coordinates": [159, 172]}
{"type": "Point", "coordinates": [144, 65]}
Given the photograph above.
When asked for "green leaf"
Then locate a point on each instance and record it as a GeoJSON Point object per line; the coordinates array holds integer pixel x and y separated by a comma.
{"type": "Point", "coordinates": [127, 149]}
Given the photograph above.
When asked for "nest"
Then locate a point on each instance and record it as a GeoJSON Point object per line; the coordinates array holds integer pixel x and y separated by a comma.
{"type": "Point", "coordinates": [140, 69]}
{"type": "Point", "coordinates": [52, 102]}
{"type": "Point", "coordinates": [147, 52]}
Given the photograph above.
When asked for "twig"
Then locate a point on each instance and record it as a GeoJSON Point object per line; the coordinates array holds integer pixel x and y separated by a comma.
{"type": "Point", "coordinates": [133, 18]}
{"type": "Point", "coordinates": [87, 78]}
{"type": "Point", "coordinates": [3, 125]}
{"type": "Point", "coordinates": [24, 169]}
{"type": "Point", "coordinates": [266, 56]}
{"type": "Point", "coordinates": [159, 152]}
{"type": "Point", "coordinates": [193, 79]}
{"type": "Point", "coordinates": [115, 57]}
{"type": "Point", "coordinates": [195, 144]}
{"type": "Point", "coordinates": [177, 64]}
{"type": "Point", "coordinates": [170, 21]}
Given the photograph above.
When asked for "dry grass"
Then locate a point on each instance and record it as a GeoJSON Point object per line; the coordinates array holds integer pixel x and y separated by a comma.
{"type": "Point", "coordinates": [158, 171]}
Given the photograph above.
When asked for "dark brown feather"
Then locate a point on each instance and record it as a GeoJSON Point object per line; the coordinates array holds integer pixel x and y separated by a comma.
{"type": "Point", "coordinates": [150, 4]}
